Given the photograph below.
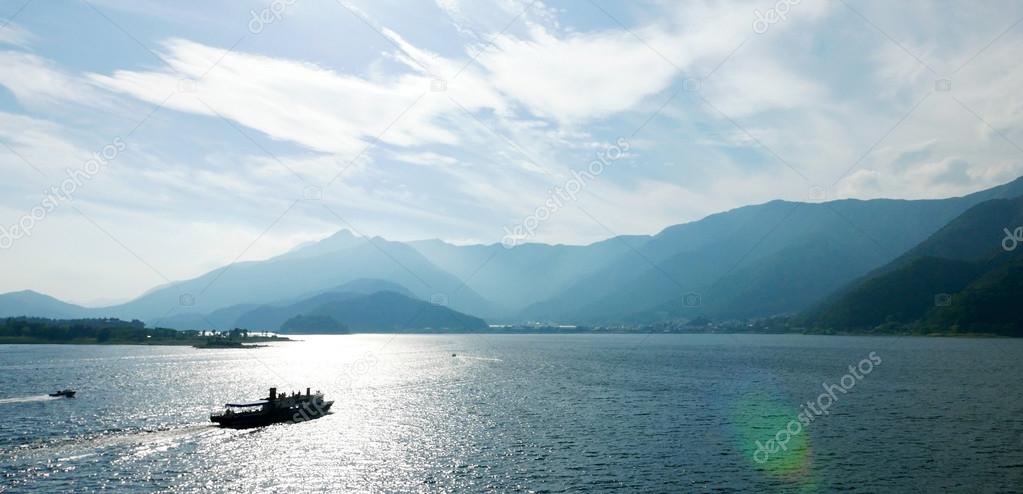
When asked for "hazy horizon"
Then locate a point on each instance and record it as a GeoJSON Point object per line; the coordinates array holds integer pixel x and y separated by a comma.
{"type": "Point", "coordinates": [101, 302]}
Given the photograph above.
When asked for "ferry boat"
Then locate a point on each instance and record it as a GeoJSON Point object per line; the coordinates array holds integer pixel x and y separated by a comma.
{"type": "Point", "coordinates": [275, 408]}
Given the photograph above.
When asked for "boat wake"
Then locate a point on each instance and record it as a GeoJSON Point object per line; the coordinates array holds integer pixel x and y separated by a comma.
{"type": "Point", "coordinates": [153, 442]}
{"type": "Point", "coordinates": [487, 359]}
{"type": "Point", "coordinates": [138, 443]}
{"type": "Point", "coordinates": [28, 399]}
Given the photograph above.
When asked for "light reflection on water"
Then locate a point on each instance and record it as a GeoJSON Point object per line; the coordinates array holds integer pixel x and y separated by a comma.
{"type": "Point", "coordinates": [512, 412]}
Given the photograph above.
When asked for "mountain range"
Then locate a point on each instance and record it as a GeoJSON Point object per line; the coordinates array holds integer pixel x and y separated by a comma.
{"type": "Point", "coordinates": [775, 258]}
{"type": "Point", "coordinates": [965, 278]}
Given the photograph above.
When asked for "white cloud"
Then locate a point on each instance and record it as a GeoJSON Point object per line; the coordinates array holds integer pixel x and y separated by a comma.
{"type": "Point", "coordinates": [315, 107]}
{"type": "Point", "coordinates": [481, 20]}
{"type": "Point", "coordinates": [13, 34]}
{"type": "Point", "coordinates": [32, 143]}
{"type": "Point", "coordinates": [427, 159]}
{"type": "Point", "coordinates": [754, 85]}
{"type": "Point", "coordinates": [35, 80]}
{"type": "Point", "coordinates": [956, 141]}
{"type": "Point", "coordinates": [575, 77]}
{"type": "Point", "coordinates": [578, 78]}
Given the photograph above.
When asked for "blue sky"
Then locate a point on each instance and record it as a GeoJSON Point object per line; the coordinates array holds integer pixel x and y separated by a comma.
{"type": "Point", "coordinates": [235, 138]}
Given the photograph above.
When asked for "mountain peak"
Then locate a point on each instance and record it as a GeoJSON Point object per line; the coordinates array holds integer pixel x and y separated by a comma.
{"type": "Point", "coordinates": [27, 293]}
{"type": "Point", "coordinates": [33, 303]}
{"type": "Point", "coordinates": [342, 239]}
{"type": "Point", "coordinates": [342, 234]}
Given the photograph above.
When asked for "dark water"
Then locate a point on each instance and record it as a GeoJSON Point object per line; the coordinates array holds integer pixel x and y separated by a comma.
{"type": "Point", "coordinates": [664, 413]}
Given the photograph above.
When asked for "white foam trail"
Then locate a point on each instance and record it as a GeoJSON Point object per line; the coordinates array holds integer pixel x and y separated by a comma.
{"type": "Point", "coordinates": [488, 359]}
{"type": "Point", "coordinates": [28, 399]}
{"type": "Point", "coordinates": [159, 441]}
{"type": "Point", "coordinates": [138, 443]}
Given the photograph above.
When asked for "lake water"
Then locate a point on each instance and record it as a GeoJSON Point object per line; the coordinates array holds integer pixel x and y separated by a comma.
{"type": "Point", "coordinates": [542, 413]}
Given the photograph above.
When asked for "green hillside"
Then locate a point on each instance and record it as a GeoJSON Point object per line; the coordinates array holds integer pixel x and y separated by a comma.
{"type": "Point", "coordinates": [960, 279]}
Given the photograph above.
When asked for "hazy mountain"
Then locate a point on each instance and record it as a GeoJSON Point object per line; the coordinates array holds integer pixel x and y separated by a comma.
{"type": "Point", "coordinates": [272, 316]}
{"type": "Point", "coordinates": [314, 268]}
{"type": "Point", "coordinates": [772, 258]}
{"type": "Point", "coordinates": [34, 304]}
{"type": "Point", "coordinates": [365, 286]}
{"type": "Point", "coordinates": [353, 305]}
{"type": "Point", "coordinates": [341, 240]}
{"type": "Point", "coordinates": [222, 319]}
{"type": "Point", "coordinates": [525, 274]}
{"type": "Point", "coordinates": [389, 311]}
{"type": "Point", "coordinates": [315, 324]}
{"type": "Point", "coordinates": [376, 312]}
{"type": "Point", "coordinates": [975, 235]}
{"type": "Point", "coordinates": [960, 278]}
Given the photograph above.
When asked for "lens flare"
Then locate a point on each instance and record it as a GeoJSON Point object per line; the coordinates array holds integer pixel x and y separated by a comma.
{"type": "Point", "coordinates": [772, 439]}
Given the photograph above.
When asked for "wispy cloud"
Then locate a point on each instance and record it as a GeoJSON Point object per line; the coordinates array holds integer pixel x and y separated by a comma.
{"type": "Point", "coordinates": [289, 100]}
{"type": "Point", "coordinates": [13, 34]}
{"type": "Point", "coordinates": [36, 80]}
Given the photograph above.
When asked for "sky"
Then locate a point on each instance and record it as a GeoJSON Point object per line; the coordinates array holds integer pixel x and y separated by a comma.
{"type": "Point", "coordinates": [143, 142]}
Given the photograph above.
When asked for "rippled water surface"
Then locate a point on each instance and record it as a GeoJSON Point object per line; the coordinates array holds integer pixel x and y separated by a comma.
{"type": "Point", "coordinates": [543, 413]}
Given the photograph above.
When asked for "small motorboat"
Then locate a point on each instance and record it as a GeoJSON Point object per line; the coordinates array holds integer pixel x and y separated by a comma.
{"type": "Point", "coordinates": [67, 393]}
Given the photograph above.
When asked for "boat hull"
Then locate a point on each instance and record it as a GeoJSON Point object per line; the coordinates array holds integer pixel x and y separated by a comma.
{"type": "Point", "coordinates": [274, 416]}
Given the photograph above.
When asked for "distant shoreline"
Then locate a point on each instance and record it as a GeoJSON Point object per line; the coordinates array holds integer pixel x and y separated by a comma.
{"type": "Point", "coordinates": [249, 342]}
{"type": "Point", "coordinates": [252, 342]}
{"type": "Point", "coordinates": [520, 331]}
